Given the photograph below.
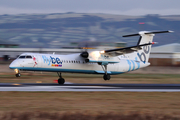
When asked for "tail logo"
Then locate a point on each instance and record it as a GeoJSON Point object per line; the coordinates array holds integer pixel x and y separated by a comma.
{"type": "Point", "coordinates": [146, 49]}
{"type": "Point", "coordinates": [142, 56]}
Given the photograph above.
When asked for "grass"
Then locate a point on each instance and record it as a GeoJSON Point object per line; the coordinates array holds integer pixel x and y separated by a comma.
{"type": "Point", "coordinates": [84, 116]}
{"type": "Point", "coordinates": [92, 102]}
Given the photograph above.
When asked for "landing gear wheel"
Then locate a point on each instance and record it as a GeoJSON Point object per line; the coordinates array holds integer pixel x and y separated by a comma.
{"type": "Point", "coordinates": [18, 75]}
{"type": "Point", "coordinates": [107, 77]}
{"type": "Point", "coordinates": [61, 81]}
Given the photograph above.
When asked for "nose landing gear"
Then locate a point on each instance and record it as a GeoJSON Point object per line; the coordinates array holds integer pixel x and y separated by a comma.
{"type": "Point", "coordinates": [61, 80]}
{"type": "Point", "coordinates": [17, 73]}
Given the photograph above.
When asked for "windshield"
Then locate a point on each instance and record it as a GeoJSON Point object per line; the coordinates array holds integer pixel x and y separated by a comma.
{"type": "Point", "coordinates": [22, 57]}
{"type": "Point", "coordinates": [25, 57]}
{"type": "Point", "coordinates": [28, 57]}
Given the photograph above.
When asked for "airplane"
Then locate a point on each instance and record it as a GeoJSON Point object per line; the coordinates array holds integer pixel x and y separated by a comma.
{"type": "Point", "coordinates": [105, 62]}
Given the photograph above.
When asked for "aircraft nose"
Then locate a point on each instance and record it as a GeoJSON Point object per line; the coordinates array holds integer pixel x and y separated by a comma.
{"type": "Point", "coordinates": [14, 64]}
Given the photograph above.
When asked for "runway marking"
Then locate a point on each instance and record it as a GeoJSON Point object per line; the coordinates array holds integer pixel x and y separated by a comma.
{"type": "Point", "coordinates": [38, 81]}
{"type": "Point", "coordinates": [16, 84]}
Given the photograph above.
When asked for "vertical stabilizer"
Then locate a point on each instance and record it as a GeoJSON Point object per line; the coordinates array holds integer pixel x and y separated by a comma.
{"type": "Point", "coordinates": [145, 38]}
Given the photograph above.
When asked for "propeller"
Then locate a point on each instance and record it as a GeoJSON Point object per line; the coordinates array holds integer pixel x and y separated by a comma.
{"type": "Point", "coordinates": [84, 53]}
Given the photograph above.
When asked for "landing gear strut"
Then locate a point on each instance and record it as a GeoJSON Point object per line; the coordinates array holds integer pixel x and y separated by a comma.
{"type": "Point", "coordinates": [61, 80]}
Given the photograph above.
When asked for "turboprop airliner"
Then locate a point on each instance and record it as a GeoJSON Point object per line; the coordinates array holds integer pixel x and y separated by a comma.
{"type": "Point", "coordinates": [105, 62]}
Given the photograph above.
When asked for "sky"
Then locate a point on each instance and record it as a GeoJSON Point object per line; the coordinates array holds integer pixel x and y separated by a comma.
{"type": "Point", "coordinates": [120, 7]}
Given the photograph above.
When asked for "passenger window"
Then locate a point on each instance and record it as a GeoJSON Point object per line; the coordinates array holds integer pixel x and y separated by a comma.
{"type": "Point", "coordinates": [21, 57]}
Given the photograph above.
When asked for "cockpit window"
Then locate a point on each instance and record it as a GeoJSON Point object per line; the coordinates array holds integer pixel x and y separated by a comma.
{"type": "Point", "coordinates": [22, 57]}
{"type": "Point", "coordinates": [28, 57]}
{"type": "Point", "coordinates": [25, 57]}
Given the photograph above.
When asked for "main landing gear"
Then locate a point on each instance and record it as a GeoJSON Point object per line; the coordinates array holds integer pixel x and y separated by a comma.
{"type": "Point", "coordinates": [106, 75]}
{"type": "Point", "coordinates": [61, 80]}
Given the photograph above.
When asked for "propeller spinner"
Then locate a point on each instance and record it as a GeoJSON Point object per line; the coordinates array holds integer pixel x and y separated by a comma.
{"type": "Point", "coordinates": [84, 54]}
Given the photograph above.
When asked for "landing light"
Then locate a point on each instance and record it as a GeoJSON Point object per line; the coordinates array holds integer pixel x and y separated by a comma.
{"type": "Point", "coordinates": [102, 52]}
{"type": "Point", "coordinates": [16, 71]}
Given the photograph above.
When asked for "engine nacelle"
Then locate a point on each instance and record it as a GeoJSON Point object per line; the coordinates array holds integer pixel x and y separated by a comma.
{"type": "Point", "coordinates": [84, 54]}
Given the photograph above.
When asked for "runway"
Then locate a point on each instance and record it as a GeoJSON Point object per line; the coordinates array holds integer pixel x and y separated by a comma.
{"type": "Point", "coordinates": [89, 87]}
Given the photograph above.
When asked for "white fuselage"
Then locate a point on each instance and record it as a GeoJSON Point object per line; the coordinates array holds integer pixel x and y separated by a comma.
{"type": "Point", "coordinates": [73, 63]}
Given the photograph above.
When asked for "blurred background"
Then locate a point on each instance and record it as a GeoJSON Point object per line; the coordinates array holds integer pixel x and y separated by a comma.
{"type": "Point", "coordinates": [63, 27]}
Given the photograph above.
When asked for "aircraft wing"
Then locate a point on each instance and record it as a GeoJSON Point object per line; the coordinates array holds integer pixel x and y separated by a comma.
{"type": "Point", "coordinates": [121, 51]}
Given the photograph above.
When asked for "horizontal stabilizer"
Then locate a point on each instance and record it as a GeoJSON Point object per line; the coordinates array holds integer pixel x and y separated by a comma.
{"type": "Point", "coordinates": [169, 31]}
{"type": "Point", "coordinates": [147, 32]}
